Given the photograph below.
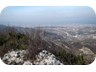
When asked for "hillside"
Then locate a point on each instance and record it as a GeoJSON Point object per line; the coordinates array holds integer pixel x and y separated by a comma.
{"type": "Point", "coordinates": [55, 46]}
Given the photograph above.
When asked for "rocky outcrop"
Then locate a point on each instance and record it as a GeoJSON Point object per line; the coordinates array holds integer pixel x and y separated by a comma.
{"type": "Point", "coordinates": [14, 57]}
{"type": "Point", "coordinates": [86, 51]}
{"type": "Point", "coordinates": [89, 56]}
{"type": "Point", "coordinates": [43, 58]}
{"type": "Point", "coordinates": [46, 58]}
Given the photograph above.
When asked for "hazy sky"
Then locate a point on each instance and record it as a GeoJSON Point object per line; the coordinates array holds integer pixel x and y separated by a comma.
{"type": "Point", "coordinates": [47, 15]}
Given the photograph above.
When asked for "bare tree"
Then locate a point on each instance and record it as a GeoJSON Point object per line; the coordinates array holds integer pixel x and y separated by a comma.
{"type": "Point", "coordinates": [35, 43]}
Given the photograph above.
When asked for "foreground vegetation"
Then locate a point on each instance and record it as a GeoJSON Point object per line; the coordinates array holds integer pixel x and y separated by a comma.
{"type": "Point", "coordinates": [33, 43]}
{"type": "Point", "coordinates": [12, 40]}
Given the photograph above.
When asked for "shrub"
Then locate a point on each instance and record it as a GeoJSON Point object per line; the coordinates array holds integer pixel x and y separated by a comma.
{"type": "Point", "coordinates": [61, 54]}
{"type": "Point", "coordinates": [81, 60]}
{"type": "Point", "coordinates": [70, 58]}
{"type": "Point", "coordinates": [35, 44]}
{"type": "Point", "coordinates": [12, 40]}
